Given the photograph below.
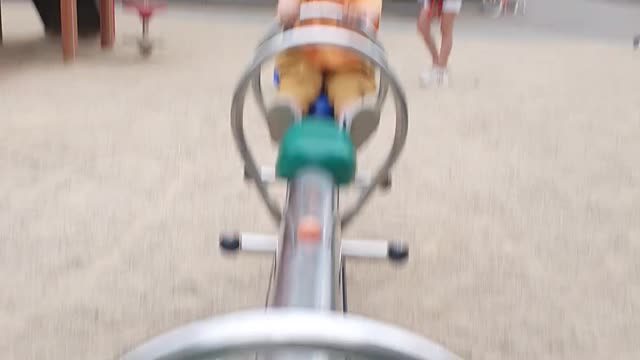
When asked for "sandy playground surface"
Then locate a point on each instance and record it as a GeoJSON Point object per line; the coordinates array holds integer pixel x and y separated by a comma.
{"type": "Point", "coordinates": [518, 190]}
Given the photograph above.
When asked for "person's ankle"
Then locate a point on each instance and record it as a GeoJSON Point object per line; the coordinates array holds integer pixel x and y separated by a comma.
{"type": "Point", "coordinates": [440, 69]}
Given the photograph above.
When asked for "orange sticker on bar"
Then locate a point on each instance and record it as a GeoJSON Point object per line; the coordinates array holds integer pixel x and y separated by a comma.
{"type": "Point", "coordinates": [309, 229]}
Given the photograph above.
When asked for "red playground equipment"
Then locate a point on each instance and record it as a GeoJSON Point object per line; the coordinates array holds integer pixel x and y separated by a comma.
{"type": "Point", "coordinates": [145, 10]}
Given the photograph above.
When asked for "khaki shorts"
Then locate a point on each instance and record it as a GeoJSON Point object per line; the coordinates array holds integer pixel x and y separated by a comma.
{"type": "Point", "coordinates": [449, 6]}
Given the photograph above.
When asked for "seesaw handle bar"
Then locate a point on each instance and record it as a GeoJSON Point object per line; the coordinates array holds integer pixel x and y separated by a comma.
{"type": "Point", "coordinates": [323, 11]}
{"type": "Point", "coordinates": [277, 329]}
{"type": "Point", "coordinates": [315, 11]}
{"type": "Point", "coordinates": [327, 36]}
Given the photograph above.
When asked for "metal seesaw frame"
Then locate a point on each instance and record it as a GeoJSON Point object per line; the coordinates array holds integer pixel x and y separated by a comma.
{"type": "Point", "coordinates": [251, 331]}
{"type": "Point", "coordinates": [328, 36]}
{"type": "Point", "coordinates": [302, 312]}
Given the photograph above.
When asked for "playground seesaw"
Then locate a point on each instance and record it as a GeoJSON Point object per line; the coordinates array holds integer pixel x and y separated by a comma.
{"type": "Point", "coordinates": [306, 315]}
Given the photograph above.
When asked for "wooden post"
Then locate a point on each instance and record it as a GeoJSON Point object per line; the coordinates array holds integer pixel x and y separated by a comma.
{"type": "Point", "coordinates": [107, 24]}
{"type": "Point", "coordinates": [69, 25]}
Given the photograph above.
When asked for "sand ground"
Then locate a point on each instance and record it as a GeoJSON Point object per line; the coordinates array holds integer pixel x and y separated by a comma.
{"type": "Point", "coordinates": [518, 190]}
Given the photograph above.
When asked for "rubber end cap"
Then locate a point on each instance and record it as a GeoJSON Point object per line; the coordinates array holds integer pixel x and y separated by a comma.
{"type": "Point", "coordinates": [398, 252]}
{"type": "Point", "coordinates": [230, 242]}
{"type": "Point", "coordinates": [386, 183]}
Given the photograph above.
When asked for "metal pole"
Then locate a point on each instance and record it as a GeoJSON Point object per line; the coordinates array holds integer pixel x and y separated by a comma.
{"type": "Point", "coordinates": [307, 267]}
{"type": "Point", "coordinates": [145, 28]}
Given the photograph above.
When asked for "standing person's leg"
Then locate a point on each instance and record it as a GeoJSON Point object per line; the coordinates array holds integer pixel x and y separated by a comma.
{"type": "Point", "coordinates": [351, 92]}
{"type": "Point", "coordinates": [446, 27]}
{"type": "Point", "coordinates": [300, 85]}
{"type": "Point", "coordinates": [425, 19]}
{"type": "Point", "coordinates": [430, 10]}
{"type": "Point", "coordinates": [450, 11]}
{"type": "Point", "coordinates": [438, 75]}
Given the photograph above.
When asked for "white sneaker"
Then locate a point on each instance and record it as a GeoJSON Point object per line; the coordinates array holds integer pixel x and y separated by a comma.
{"type": "Point", "coordinates": [361, 120]}
{"type": "Point", "coordinates": [444, 78]}
{"type": "Point", "coordinates": [281, 114]}
{"type": "Point", "coordinates": [435, 77]}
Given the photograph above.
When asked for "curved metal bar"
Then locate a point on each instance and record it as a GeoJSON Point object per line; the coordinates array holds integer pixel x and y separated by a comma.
{"type": "Point", "coordinates": [237, 110]}
{"type": "Point", "coordinates": [383, 90]}
{"type": "Point", "coordinates": [260, 331]}
{"type": "Point", "coordinates": [274, 28]}
{"type": "Point", "coordinates": [256, 85]}
{"type": "Point", "coordinates": [329, 36]}
{"type": "Point", "coordinates": [335, 13]}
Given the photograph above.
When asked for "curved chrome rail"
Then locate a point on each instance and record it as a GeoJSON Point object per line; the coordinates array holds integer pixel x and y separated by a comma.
{"type": "Point", "coordinates": [328, 36]}
{"type": "Point", "coordinates": [322, 11]}
{"type": "Point", "coordinates": [259, 331]}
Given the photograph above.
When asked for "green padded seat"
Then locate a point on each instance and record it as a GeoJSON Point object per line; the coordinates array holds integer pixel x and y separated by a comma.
{"type": "Point", "coordinates": [317, 142]}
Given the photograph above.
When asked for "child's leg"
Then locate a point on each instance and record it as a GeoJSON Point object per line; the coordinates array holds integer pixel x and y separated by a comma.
{"type": "Point", "coordinates": [300, 85]}
{"type": "Point", "coordinates": [351, 92]}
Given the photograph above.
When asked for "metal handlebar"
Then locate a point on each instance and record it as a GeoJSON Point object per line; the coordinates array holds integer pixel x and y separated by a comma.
{"type": "Point", "coordinates": [259, 331]}
{"type": "Point", "coordinates": [321, 11]}
{"type": "Point", "coordinates": [327, 36]}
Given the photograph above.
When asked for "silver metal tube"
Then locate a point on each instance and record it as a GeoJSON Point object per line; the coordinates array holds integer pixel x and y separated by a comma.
{"type": "Point", "coordinates": [237, 117]}
{"type": "Point", "coordinates": [248, 332]}
{"type": "Point", "coordinates": [365, 249]}
{"type": "Point", "coordinates": [307, 266]}
{"type": "Point", "coordinates": [383, 90]}
{"type": "Point", "coordinates": [258, 243]}
{"type": "Point", "coordinates": [256, 85]}
{"type": "Point", "coordinates": [307, 271]}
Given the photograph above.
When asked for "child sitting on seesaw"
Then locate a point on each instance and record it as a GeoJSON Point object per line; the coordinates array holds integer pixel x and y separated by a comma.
{"type": "Point", "coordinates": [349, 81]}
